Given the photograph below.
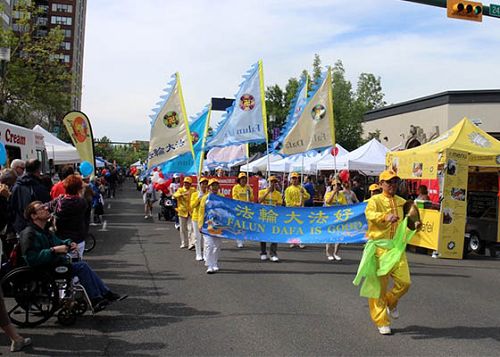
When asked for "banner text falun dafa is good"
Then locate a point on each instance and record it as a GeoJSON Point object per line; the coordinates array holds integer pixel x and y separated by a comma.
{"type": "Point", "coordinates": [230, 219]}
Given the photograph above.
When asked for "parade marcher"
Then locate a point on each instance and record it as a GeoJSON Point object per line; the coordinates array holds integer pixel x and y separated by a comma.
{"type": "Point", "coordinates": [295, 196]}
{"type": "Point", "coordinates": [374, 189]}
{"type": "Point", "coordinates": [183, 197]}
{"type": "Point", "coordinates": [334, 197]}
{"type": "Point", "coordinates": [242, 192]}
{"type": "Point", "coordinates": [350, 196]}
{"type": "Point", "coordinates": [148, 197]}
{"type": "Point", "coordinates": [272, 197]}
{"type": "Point", "coordinates": [212, 244]}
{"type": "Point", "coordinates": [309, 186]}
{"type": "Point", "coordinates": [383, 213]}
{"type": "Point", "coordinates": [195, 206]}
{"type": "Point", "coordinates": [28, 188]}
{"type": "Point", "coordinates": [173, 187]}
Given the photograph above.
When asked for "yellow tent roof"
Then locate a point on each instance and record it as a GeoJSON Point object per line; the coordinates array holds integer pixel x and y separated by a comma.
{"type": "Point", "coordinates": [483, 149]}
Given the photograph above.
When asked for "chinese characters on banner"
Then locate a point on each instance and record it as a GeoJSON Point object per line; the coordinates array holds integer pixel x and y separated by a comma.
{"type": "Point", "coordinates": [230, 219]}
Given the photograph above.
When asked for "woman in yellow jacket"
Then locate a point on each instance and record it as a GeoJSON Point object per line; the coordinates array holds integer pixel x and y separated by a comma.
{"type": "Point", "coordinates": [295, 196]}
{"type": "Point", "coordinates": [272, 197]}
{"type": "Point", "coordinates": [242, 192]}
{"type": "Point", "coordinates": [195, 207]}
{"type": "Point", "coordinates": [334, 197]}
{"type": "Point", "coordinates": [212, 245]}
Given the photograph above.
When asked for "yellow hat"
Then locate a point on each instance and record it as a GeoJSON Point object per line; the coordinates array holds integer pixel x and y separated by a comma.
{"type": "Point", "coordinates": [188, 180]}
{"type": "Point", "coordinates": [212, 181]}
{"type": "Point", "coordinates": [242, 174]}
{"type": "Point", "coordinates": [272, 178]}
{"type": "Point", "coordinates": [203, 179]}
{"type": "Point", "coordinates": [387, 175]}
{"type": "Point", "coordinates": [374, 187]}
{"type": "Point", "coordinates": [295, 174]}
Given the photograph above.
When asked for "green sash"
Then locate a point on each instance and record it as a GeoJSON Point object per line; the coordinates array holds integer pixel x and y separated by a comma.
{"type": "Point", "coordinates": [368, 265]}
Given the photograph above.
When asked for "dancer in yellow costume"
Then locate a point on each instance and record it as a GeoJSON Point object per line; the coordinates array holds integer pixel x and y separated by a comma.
{"type": "Point", "coordinates": [183, 197]}
{"type": "Point", "coordinates": [242, 192]}
{"type": "Point", "coordinates": [272, 197]}
{"type": "Point", "coordinates": [295, 196]}
{"type": "Point", "coordinates": [384, 212]}
{"type": "Point", "coordinates": [334, 197]}
{"type": "Point", "coordinates": [195, 207]}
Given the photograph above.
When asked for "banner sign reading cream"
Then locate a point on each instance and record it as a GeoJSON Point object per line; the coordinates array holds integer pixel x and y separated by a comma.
{"type": "Point", "coordinates": [230, 219]}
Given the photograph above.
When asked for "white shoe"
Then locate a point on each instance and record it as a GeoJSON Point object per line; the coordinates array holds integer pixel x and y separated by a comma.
{"type": "Point", "coordinates": [93, 224]}
{"type": "Point", "coordinates": [435, 254]}
{"type": "Point", "coordinates": [275, 259]}
{"type": "Point", "coordinates": [199, 258]}
{"type": "Point", "coordinates": [330, 257]}
{"type": "Point", "coordinates": [302, 246]}
{"type": "Point", "coordinates": [146, 217]}
{"type": "Point", "coordinates": [216, 269]}
{"type": "Point", "coordinates": [292, 245]}
{"type": "Point", "coordinates": [182, 246]}
{"type": "Point", "coordinates": [239, 245]}
{"type": "Point", "coordinates": [394, 313]}
{"type": "Point", "coordinates": [263, 257]}
{"type": "Point", "coordinates": [210, 271]}
{"type": "Point", "coordinates": [384, 330]}
{"type": "Point", "coordinates": [337, 257]}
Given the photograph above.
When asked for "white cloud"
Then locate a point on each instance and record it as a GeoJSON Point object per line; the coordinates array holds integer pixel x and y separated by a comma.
{"type": "Point", "coordinates": [132, 47]}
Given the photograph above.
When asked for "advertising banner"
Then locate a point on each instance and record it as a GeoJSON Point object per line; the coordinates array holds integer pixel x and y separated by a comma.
{"type": "Point", "coordinates": [427, 235]}
{"type": "Point", "coordinates": [80, 130]}
{"type": "Point", "coordinates": [226, 185]}
{"type": "Point", "coordinates": [414, 165]}
{"type": "Point", "coordinates": [453, 204]}
{"type": "Point", "coordinates": [230, 219]}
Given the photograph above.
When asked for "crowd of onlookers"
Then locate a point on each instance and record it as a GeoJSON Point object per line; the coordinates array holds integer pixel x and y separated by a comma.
{"type": "Point", "coordinates": [46, 223]}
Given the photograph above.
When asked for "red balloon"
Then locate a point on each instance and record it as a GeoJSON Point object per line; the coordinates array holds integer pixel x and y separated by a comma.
{"type": "Point", "coordinates": [344, 175]}
{"type": "Point", "coordinates": [334, 151]}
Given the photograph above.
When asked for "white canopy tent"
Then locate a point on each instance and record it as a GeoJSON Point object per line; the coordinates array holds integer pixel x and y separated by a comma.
{"type": "Point", "coordinates": [368, 158]}
{"type": "Point", "coordinates": [287, 164]}
{"type": "Point", "coordinates": [60, 152]}
{"type": "Point", "coordinates": [311, 163]}
{"type": "Point", "coordinates": [260, 164]}
{"type": "Point", "coordinates": [137, 164]}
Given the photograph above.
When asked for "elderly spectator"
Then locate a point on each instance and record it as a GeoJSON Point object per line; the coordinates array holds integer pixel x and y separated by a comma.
{"type": "Point", "coordinates": [18, 166]}
{"type": "Point", "coordinates": [28, 188]}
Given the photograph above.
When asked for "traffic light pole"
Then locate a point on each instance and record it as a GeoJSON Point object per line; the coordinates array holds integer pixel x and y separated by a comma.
{"type": "Point", "coordinates": [442, 3]}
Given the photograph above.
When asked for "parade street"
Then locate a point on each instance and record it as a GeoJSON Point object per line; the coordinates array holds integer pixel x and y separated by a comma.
{"type": "Point", "coordinates": [303, 305]}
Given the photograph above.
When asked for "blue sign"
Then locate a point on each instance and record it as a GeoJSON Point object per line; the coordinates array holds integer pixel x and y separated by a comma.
{"type": "Point", "coordinates": [231, 219]}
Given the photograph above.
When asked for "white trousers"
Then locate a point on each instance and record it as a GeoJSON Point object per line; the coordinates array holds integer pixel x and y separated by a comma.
{"type": "Point", "coordinates": [212, 250]}
{"type": "Point", "coordinates": [198, 244]}
{"type": "Point", "coordinates": [186, 231]}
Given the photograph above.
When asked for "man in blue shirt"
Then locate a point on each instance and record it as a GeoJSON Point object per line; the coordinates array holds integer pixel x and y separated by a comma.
{"type": "Point", "coordinates": [309, 186]}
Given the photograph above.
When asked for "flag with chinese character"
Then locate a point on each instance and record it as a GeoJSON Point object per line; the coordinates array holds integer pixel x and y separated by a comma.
{"type": "Point", "coordinates": [170, 136]}
{"type": "Point", "coordinates": [185, 163]}
{"type": "Point", "coordinates": [314, 128]}
{"type": "Point", "coordinates": [245, 121]}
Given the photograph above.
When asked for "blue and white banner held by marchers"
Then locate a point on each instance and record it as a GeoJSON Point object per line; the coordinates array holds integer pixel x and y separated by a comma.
{"type": "Point", "coordinates": [226, 156]}
{"type": "Point", "coordinates": [170, 136]}
{"type": "Point", "coordinates": [184, 163]}
{"type": "Point", "coordinates": [231, 219]}
{"type": "Point", "coordinates": [245, 121]}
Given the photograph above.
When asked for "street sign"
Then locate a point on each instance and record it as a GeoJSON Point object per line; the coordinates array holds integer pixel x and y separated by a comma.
{"type": "Point", "coordinates": [494, 10]}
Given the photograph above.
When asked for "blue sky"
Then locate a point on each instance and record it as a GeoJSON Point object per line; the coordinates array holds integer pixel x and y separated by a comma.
{"type": "Point", "coordinates": [132, 47]}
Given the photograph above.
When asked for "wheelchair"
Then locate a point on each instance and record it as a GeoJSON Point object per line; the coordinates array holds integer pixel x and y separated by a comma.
{"type": "Point", "coordinates": [33, 295]}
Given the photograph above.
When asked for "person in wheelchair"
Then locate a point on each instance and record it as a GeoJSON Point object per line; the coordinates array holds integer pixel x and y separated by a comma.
{"type": "Point", "coordinates": [42, 248]}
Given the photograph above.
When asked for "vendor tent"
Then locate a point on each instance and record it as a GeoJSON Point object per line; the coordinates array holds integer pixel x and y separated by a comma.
{"type": "Point", "coordinates": [483, 149]}
{"type": "Point", "coordinates": [288, 163]}
{"type": "Point", "coordinates": [137, 164]}
{"type": "Point", "coordinates": [260, 164]}
{"type": "Point", "coordinates": [57, 150]}
{"type": "Point", "coordinates": [311, 163]}
{"type": "Point", "coordinates": [368, 158]}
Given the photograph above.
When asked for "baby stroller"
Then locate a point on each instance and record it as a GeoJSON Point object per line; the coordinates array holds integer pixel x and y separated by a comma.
{"type": "Point", "coordinates": [167, 210]}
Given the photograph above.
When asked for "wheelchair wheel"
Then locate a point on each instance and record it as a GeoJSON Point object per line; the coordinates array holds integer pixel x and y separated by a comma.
{"type": "Point", "coordinates": [80, 307]}
{"type": "Point", "coordinates": [66, 317]}
{"type": "Point", "coordinates": [89, 242]}
{"type": "Point", "coordinates": [31, 297]}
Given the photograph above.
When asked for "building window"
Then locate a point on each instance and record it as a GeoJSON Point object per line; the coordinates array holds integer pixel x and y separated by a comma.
{"type": "Point", "coordinates": [66, 46]}
{"type": "Point", "coordinates": [42, 21]}
{"type": "Point", "coordinates": [43, 8]}
{"type": "Point", "coordinates": [41, 33]}
{"type": "Point", "coordinates": [5, 17]}
{"type": "Point", "coordinates": [61, 57]}
{"type": "Point", "coordinates": [67, 33]}
{"type": "Point", "coordinates": [62, 8]}
{"type": "Point", "coordinates": [60, 20]}
{"type": "Point", "coordinates": [20, 28]}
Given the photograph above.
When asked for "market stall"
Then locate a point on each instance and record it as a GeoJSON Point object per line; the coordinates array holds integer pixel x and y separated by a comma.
{"type": "Point", "coordinates": [461, 162]}
{"type": "Point", "coordinates": [57, 150]}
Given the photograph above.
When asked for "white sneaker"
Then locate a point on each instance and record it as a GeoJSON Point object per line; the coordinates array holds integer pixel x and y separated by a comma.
{"type": "Point", "coordinates": [93, 224]}
{"type": "Point", "coordinates": [384, 330]}
{"type": "Point", "coordinates": [337, 257]}
{"type": "Point", "coordinates": [302, 246]}
{"type": "Point", "coordinates": [274, 258]}
{"type": "Point", "coordinates": [239, 245]}
{"type": "Point", "coordinates": [199, 258]}
{"type": "Point", "coordinates": [216, 269]}
{"type": "Point", "coordinates": [292, 245]}
{"type": "Point", "coordinates": [146, 217]}
{"type": "Point", "coordinates": [330, 257]}
{"type": "Point", "coordinates": [263, 257]}
{"type": "Point", "coordinates": [435, 254]}
{"type": "Point", "coordinates": [182, 246]}
{"type": "Point", "coordinates": [210, 271]}
{"type": "Point", "coordinates": [394, 313]}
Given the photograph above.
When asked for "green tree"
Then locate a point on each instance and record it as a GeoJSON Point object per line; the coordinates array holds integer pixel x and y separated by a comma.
{"type": "Point", "coordinates": [316, 67]}
{"type": "Point", "coordinates": [103, 148]}
{"type": "Point", "coordinates": [35, 84]}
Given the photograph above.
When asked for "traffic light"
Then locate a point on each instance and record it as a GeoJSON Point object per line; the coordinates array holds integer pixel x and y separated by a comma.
{"type": "Point", "coordinates": [465, 10]}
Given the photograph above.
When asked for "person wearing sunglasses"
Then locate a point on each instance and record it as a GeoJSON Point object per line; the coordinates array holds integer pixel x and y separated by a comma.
{"type": "Point", "coordinates": [384, 212]}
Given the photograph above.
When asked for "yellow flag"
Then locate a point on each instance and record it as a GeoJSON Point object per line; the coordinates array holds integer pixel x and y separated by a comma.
{"type": "Point", "coordinates": [78, 126]}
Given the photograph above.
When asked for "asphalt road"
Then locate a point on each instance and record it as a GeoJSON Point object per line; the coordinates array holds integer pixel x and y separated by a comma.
{"type": "Point", "coordinates": [302, 306]}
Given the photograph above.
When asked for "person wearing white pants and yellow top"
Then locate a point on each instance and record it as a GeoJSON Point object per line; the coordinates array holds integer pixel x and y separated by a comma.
{"type": "Point", "coordinates": [242, 192]}
{"type": "Point", "coordinates": [195, 207]}
{"type": "Point", "coordinates": [272, 197]}
{"type": "Point", "coordinates": [183, 197]}
{"type": "Point", "coordinates": [212, 245]}
{"type": "Point", "coordinates": [334, 197]}
{"type": "Point", "coordinates": [384, 212]}
{"type": "Point", "coordinates": [295, 196]}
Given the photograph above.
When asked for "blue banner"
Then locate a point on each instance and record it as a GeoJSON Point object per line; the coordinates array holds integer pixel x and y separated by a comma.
{"type": "Point", "coordinates": [231, 219]}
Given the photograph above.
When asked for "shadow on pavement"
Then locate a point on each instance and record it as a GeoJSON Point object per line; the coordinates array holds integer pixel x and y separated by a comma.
{"type": "Point", "coordinates": [457, 332]}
